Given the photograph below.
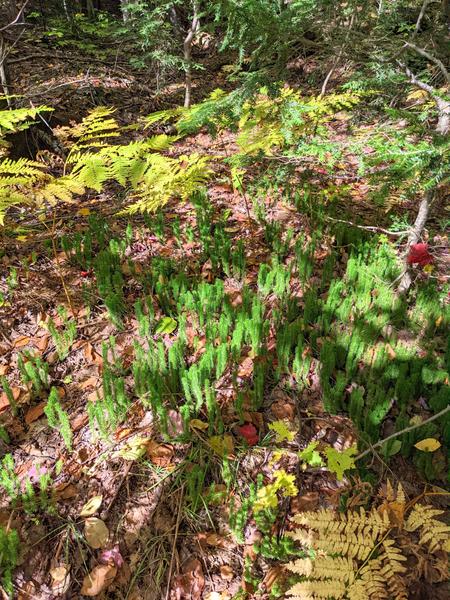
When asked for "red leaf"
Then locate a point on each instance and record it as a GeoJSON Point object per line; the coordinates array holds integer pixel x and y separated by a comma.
{"type": "Point", "coordinates": [250, 433]}
{"type": "Point", "coordinates": [419, 255]}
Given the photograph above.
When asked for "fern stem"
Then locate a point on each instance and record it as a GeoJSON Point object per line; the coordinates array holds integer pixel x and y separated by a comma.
{"type": "Point", "coordinates": [58, 268]}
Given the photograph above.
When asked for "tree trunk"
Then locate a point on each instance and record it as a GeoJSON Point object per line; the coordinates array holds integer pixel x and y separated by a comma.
{"type": "Point", "coordinates": [124, 9]}
{"type": "Point", "coordinates": [3, 78]}
{"type": "Point", "coordinates": [187, 53]}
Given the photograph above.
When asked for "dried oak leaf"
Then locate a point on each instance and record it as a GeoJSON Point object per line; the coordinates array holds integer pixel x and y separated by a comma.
{"type": "Point", "coordinates": [98, 579]}
{"type": "Point", "coordinates": [91, 506]}
{"type": "Point", "coordinates": [189, 585]}
{"type": "Point", "coordinates": [60, 579]}
{"type": "Point", "coordinates": [95, 532]}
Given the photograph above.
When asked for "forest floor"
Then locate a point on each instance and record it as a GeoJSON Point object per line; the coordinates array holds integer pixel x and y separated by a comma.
{"type": "Point", "coordinates": [165, 505]}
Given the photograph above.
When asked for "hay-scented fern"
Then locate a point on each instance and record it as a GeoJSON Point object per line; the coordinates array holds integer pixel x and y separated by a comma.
{"type": "Point", "coordinates": [93, 160]}
{"type": "Point", "coordinates": [361, 555]}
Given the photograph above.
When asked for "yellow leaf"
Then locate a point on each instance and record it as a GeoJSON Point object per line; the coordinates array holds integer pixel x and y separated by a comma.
{"type": "Point", "coordinates": [222, 445]}
{"type": "Point", "coordinates": [22, 238]}
{"type": "Point", "coordinates": [95, 532]}
{"type": "Point", "coordinates": [428, 445]}
{"type": "Point", "coordinates": [134, 449]}
{"type": "Point", "coordinates": [91, 506]}
{"type": "Point", "coordinates": [84, 212]}
{"type": "Point", "coordinates": [282, 432]}
{"type": "Point", "coordinates": [197, 424]}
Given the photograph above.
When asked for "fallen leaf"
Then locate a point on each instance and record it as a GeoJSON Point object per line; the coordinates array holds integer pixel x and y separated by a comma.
{"type": "Point", "coordinates": [249, 433]}
{"type": "Point", "coordinates": [419, 255]}
{"type": "Point", "coordinates": [66, 491]}
{"type": "Point", "coordinates": [83, 212]}
{"type": "Point", "coordinates": [305, 502]}
{"type": "Point", "coordinates": [428, 445]}
{"type": "Point", "coordinates": [35, 412]}
{"type": "Point", "coordinates": [27, 591]}
{"type": "Point", "coordinates": [165, 326]}
{"type": "Point", "coordinates": [272, 576]}
{"type": "Point", "coordinates": [134, 449]}
{"type": "Point", "coordinates": [226, 572]}
{"type": "Point", "coordinates": [21, 341]}
{"type": "Point", "coordinates": [79, 421]}
{"type": "Point", "coordinates": [197, 424]}
{"type": "Point", "coordinates": [98, 579]}
{"type": "Point", "coordinates": [95, 532]}
{"type": "Point", "coordinates": [160, 454]}
{"type": "Point", "coordinates": [42, 343]}
{"type": "Point", "coordinates": [89, 382]}
{"type": "Point", "coordinates": [283, 410]}
{"type": "Point", "coordinates": [4, 402]}
{"type": "Point", "coordinates": [222, 445]}
{"type": "Point", "coordinates": [189, 585]}
{"type": "Point", "coordinates": [246, 367]}
{"type": "Point", "coordinates": [60, 579]}
{"type": "Point", "coordinates": [91, 506]}
{"type": "Point", "coordinates": [215, 540]}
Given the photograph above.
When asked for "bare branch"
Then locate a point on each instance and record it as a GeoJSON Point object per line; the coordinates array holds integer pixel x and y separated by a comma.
{"type": "Point", "coordinates": [431, 58]}
{"type": "Point", "coordinates": [17, 19]}
{"type": "Point", "coordinates": [443, 106]}
{"type": "Point", "coordinates": [413, 238]}
{"type": "Point", "coordinates": [406, 430]}
{"type": "Point", "coordinates": [423, 10]}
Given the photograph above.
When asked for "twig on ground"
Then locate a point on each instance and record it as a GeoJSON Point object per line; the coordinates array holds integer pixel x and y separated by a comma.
{"type": "Point", "coordinates": [119, 487]}
{"type": "Point", "coordinates": [402, 431]}
{"type": "Point", "coordinates": [370, 227]}
{"type": "Point", "coordinates": [177, 526]}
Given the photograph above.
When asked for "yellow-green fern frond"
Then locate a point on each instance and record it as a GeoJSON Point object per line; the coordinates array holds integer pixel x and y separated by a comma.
{"type": "Point", "coordinates": [166, 178]}
{"type": "Point", "coordinates": [95, 130]}
{"type": "Point", "coordinates": [60, 189]}
{"type": "Point", "coordinates": [9, 198]}
{"type": "Point", "coordinates": [162, 116]}
{"type": "Point", "coordinates": [92, 172]}
{"type": "Point", "coordinates": [20, 171]}
{"type": "Point", "coordinates": [19, 118]}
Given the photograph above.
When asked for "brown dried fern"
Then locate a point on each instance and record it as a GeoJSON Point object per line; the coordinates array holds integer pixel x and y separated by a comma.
{"type": "Point", "coordinates": [360, 555]}
{"type": "Point", "coordinates": [433, 533]}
